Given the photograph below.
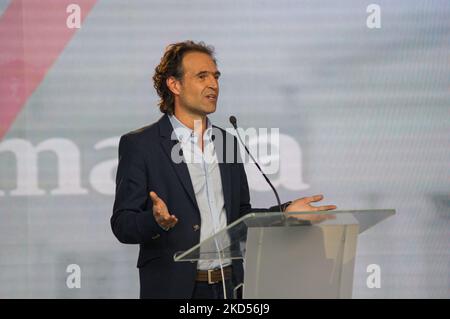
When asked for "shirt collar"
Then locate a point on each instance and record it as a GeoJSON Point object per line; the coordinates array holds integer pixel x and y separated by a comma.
{"type": "Point", "coordinates": [185, 134]}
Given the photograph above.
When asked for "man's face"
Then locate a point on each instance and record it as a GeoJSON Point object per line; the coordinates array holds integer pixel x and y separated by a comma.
{"type": "Point", "coordinates": [199, 87]}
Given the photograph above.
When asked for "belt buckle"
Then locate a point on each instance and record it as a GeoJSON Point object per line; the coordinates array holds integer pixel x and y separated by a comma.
{"type": "Point", "coordinates": [210, 277]}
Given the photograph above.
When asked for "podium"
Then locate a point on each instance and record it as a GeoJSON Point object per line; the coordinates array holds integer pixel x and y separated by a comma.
{"type": "Point", "coordinates": [289, 255]}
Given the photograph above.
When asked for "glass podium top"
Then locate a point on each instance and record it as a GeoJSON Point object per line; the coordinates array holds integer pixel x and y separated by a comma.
{"type": "Point", "coordinates": [230, 241]}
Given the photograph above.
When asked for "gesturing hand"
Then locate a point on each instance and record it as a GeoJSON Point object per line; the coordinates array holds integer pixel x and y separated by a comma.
{"type": "Point", "coordinates": [304, 205]}
{"type": "Point", "coordinates": [161, 213]}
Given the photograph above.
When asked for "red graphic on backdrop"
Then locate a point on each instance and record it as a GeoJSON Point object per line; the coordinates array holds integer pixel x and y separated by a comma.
{"type": "Point", "coordinates": [32, 36]}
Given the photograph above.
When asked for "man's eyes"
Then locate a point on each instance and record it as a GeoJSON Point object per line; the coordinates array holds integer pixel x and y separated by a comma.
{"type": "Point", "coordinates": [204, 76]}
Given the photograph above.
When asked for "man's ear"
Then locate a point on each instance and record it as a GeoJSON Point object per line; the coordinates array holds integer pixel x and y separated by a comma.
{"type": "Point", "coordinates": [174, 85]}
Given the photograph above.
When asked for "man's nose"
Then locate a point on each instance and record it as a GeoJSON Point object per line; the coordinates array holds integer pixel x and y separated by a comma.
{"type": "Point", "coordinates": [214, 83]}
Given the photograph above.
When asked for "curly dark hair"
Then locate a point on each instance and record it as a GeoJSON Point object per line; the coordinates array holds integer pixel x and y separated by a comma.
{"type": "Point", "coordinates": [171, 65]}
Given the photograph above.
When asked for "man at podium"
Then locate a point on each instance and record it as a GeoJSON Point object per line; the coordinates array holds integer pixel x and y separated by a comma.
{"type": "Point", "coordinates": [165, 205]}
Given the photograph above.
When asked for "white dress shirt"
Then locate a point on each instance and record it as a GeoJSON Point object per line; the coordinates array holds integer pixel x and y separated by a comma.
{"type": "Point", "coordinates": [204, 171]}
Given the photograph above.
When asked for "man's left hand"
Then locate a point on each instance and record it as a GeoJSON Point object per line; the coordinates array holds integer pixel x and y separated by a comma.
{"type": "Point", "coordinates": [304, 205]}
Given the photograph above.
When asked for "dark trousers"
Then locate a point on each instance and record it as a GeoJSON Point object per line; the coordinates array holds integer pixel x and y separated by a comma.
{"type": "Point", "coordinates": [203, 290]}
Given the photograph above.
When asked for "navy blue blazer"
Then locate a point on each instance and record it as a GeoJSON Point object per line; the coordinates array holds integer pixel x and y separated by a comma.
{"type": "Point", "coordinates": [145, 165]}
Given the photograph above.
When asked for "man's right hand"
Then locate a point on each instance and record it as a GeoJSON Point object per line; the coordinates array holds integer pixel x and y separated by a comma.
{"type": "Point", "coordinates": [161, 213]}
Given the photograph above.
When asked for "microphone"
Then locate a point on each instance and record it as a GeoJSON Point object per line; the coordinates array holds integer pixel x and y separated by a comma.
{"type": "Point", "coordinates": [233, 122]}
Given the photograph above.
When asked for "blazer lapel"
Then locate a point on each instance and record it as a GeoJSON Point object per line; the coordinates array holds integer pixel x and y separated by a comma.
{"type": "Point", "coordinates": [225, 174]}
{"type": "Point", "coordinates": [180, 168]}
{"type": "Point", "coordinates": [225, 168]}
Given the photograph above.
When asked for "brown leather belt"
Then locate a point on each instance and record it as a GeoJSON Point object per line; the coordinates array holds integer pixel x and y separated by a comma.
{"type": "Point", "coordinates": [213, 276]}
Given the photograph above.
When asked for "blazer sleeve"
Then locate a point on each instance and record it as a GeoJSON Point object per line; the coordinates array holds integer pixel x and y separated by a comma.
{"type": "Point", "coordinates": [131, 221]}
